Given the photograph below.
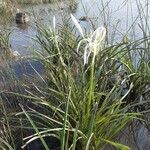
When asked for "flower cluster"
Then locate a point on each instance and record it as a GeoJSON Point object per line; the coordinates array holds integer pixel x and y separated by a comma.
{"type": "Point", "coordinates": [93, 42]}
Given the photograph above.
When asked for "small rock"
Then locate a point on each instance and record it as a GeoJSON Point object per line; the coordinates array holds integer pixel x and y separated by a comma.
{"type": "Point", "coordinates": [21, 17]}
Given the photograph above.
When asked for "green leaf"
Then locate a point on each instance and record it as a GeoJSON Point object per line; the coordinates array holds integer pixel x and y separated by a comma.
{"type": "Point", "coordinates": [118, 145]}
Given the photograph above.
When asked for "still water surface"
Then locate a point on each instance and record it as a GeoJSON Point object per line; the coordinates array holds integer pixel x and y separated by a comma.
{"type": "Point", "coordinates": [102, 12]}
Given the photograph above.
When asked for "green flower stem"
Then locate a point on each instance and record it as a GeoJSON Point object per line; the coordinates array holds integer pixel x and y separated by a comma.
{"type": "Point", "coordinates": [91, 89]}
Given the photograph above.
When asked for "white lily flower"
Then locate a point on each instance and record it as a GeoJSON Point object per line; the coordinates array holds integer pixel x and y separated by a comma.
{"type": "Point", "coordinates": [93, 42]}
{"type": "Point", "coordinates": [97, 38]}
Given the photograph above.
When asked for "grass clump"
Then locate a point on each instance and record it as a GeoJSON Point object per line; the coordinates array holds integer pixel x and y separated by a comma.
{"type": "Point", "coordinates": [6, 10]}
{"type": "Point", "coordinates": [82, 102]}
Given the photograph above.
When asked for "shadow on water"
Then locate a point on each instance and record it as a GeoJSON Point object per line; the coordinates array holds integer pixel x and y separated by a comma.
{"type": "Point", "coordinates": [18, 70]}
{"type": "Point", "coordinates": [21, 37]}
{"type": "Point", "coordinates": [27, 67]}
{"type": "Point", "coordinates": [52, 143]}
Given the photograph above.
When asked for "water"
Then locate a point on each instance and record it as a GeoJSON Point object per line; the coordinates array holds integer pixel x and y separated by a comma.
{"type": "Point", "coordinates": [108, 13]}
{"type": "Point", "coordinates": [116, 13]}
{"type": "Point", "coordinates": [118, 16]}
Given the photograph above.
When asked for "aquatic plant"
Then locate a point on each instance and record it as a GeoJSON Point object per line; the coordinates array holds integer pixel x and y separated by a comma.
{"type": "Point", "coordinates": [83, 109]}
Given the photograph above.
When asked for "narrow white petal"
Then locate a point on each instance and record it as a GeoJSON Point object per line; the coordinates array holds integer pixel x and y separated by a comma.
{"type": "Point", "coordinates": [86, 54]}
{"type": "Point", "coordinates": [99, 34]}
{"type": "Point", "coordinates": [77, 25]}
{"type": "Point", "coordinates": [54, 22]}
{"type": "Point", "coordinates": [82, 41]}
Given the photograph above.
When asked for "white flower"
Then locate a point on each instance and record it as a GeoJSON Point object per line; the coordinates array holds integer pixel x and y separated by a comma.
{"type": "Point", "coordinates": [97, 38]}
{"type": "Point", "coordinates": [93, 42]}
{"type": "Point", "coordinates": [16, 53]}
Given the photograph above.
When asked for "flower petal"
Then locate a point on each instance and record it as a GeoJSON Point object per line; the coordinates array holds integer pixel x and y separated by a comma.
{"type": "Point", "coordinates": [54, 23]}
{"type": "Point", "coordinates": [86, 54]}
{"type": "Point", "coordinates": [99, 34]}
{"type": "Point", "coordinates": [77, 25]}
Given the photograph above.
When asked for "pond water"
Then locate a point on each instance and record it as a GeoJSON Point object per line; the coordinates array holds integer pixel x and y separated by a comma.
{"type": "Point", "coordinates": [117, 13]}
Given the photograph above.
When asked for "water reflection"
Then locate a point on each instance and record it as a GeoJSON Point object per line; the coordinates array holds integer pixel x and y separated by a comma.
{"type": "Point", "coordinates": [117, 16]}
{"type": "Point", "coordinates": [20, 38]}
{"type": "Point", "coordinates": [22, 34]}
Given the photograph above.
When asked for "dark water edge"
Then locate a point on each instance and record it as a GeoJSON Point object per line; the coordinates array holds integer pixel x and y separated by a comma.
{"type": "Point", "coordinates": [20, 69]}
{"type": "Point", "coordinates": [52, 143]}
{"type": "Point", "coordinates": [28, 67]}
{"type": "Point", "coordinates": [20, 35]}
